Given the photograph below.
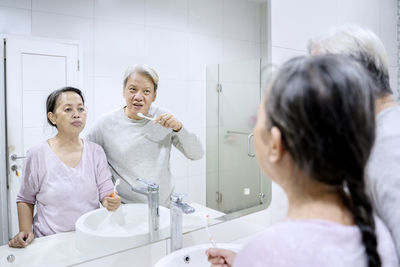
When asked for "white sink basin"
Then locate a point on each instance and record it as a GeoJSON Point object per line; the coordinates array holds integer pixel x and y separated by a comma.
{"type": "Point", "coordinates": [192, 256]}
{"type": "Point", "coordinates": [101, 231]}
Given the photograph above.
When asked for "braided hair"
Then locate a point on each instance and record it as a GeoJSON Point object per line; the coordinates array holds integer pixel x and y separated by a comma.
{"type": "Point", "coordinates": [324, 109]}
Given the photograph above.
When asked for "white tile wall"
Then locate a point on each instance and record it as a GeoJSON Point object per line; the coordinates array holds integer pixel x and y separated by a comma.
{"type": "Point", "coordinates": [110, 87]}
{"type": "Point", "coordinates": [242, 20]}
{"type": "Point", "coordinates": [368, 15]}
{"type": "Point", "coordinates": [80, 8]}
{"type": "Point", "coordinates": [206, 17]}
{"type": "Point", "coordinates": [170, 14]}
{"type": "Point", "coordinates": [116, 46]}
{"type": "Point", "coordinates": [15, 21]}
{"type": "Point", "coordinates": [388, 29]}
{"type": "Point", "coordinates": [16, 3]}
{"type": "Point", "coordinates": [236, 50]}
{"type": "Point", "coordinates": [196, 105]}
{"type": "Point", "coordinates": [393, 80]}
{"type": "Point", "coordinates": [202, 51]}
{"type": "Point", "coordinates": [168, 50]}
{"type": "Point", "coordinates": [197, 187]}
{"type": "Point", "coordinates": [122, 11]}
{"type": "Point", "coordinates": [280, 55]}
{"type": "Point", "coordinates": [294, 22]}
{"type": "Point", "coordinates": [171, 95]}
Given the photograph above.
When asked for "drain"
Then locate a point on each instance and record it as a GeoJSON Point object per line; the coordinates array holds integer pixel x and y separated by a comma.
{"type": "Point", "coordinates": [186, 259]}
{"type": "Point", "coordinates": [10, 258]}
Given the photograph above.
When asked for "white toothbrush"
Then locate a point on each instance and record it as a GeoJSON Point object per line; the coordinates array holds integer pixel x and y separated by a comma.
{"type": "Point", "coordinates": [208, 231]}
{"type": "Point", "coordinates": [145, 117]}
{"type": "Point", "coordinates": [115, 186]}
{"type": "Point", "coordinates": [107, 219]}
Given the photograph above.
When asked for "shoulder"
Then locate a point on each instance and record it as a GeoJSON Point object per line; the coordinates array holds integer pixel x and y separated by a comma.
{"type": "Point", "coordinates": [109, 116]}
{"type": "Point", "coordinates": [157, 110]}
{"type": "Point", "coordinates": [93, 147]}
{"type": "Point", "coordinates": [382, 233]}
{"type": "Point", "coordinates": [38, 149]}
{"type": "Point", "coordinates": [104, 123]}
{"type": "Point", "coordinates": [387, 121]}
{"type": "Point", "coordinates": [276, 236]}
{"type": "Point", "coordinates": [386, 245]}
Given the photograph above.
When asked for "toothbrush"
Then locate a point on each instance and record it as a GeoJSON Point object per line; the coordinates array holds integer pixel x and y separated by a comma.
{"type": "Point", "coordinates": [207, 217]}
{"type": "Point", "coordinates": [108, 217]}
{"type": "Point", "coordinates": [145, 117]}
{"type": "Point", "coordinates": [115, 186]}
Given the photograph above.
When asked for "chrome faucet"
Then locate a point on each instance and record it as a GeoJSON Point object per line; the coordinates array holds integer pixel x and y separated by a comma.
{"type": "Point", "coordinates": [176, 209]}
{"type": "Point", "coordinates": [151, 191]}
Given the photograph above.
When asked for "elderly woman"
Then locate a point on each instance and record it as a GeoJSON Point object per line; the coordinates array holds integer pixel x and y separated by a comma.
{"type": "Point", "coordinates": [64, 176]}
{"type": "Point", "coordinates": [383, 168]}
{"type": "Point", "coordinates": [140, 148]}
{"type": "Point", "coordinates": [314, 134]}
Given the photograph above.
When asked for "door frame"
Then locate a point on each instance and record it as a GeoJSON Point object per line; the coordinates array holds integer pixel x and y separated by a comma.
{"type": "Point", "coordinates": [4, 216]}
{"type": "Point", "coordinates": [3, 151]}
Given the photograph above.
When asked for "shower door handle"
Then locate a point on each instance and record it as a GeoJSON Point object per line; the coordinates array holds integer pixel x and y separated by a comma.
{"type": "Point", "coordinates": [249, 137]}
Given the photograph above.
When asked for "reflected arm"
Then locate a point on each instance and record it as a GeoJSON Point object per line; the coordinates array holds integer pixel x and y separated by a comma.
{"type": "Point", "coordinates": [188, 143]}
{"type": "Point", "coordinates": [25, 216]}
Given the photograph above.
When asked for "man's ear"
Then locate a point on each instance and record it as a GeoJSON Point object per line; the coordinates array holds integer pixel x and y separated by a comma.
{"type": "Point", "coordinates": [155, 96]}
{"type": "Point", "coordinates": [51, 117]}
{"type": "Point", "coordinates": [275, 145]}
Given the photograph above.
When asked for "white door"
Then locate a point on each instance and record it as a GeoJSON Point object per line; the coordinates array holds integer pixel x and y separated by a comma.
{"type": "Point", "coordinates": [34, 68]}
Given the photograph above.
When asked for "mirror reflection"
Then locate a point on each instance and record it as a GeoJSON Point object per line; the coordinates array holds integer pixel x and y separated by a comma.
{"type": "Point", "coordinates": [145, 129]}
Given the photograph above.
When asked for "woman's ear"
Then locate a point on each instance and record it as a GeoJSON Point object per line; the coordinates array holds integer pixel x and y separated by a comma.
{"type": "Point", "coordinates": [52, 118]}
{"type": "Point", "coordinates": [275, 145]}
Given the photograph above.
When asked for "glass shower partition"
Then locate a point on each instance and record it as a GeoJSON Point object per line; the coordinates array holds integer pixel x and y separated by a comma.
{"type": "Point", "coordinates": [234, 180]}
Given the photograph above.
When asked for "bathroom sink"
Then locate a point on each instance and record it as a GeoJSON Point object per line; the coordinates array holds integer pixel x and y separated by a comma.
{"type": "Point", "coordinates": [100, 231]}
{"type": "Point", "coordinates": [193, 256]}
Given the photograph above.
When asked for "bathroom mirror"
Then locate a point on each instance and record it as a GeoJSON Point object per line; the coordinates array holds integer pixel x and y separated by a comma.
{"type": "Point", "coordinates": [210, 56]}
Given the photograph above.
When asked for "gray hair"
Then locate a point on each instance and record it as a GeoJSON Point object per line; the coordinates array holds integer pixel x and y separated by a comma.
{"type": "Point", "coordinates": [360, 44]}
{"type": "Point", "coordinates": [144, 70]}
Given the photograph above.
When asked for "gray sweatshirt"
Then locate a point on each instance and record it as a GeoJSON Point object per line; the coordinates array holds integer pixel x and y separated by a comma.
{"type": "Point", "coordinates": [141, 149]}
{"type": "Point", "coordinates": [383, 171]}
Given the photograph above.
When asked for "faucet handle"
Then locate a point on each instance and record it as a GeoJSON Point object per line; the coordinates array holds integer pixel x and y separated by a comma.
{"type": "Point", "coordinates": [150, 186]}
{"type": "Point", "coordinates": [177, 198]}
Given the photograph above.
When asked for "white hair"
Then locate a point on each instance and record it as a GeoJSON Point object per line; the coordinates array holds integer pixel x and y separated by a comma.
{"type": "Point", "coordinates": [144, 70]}
{"type": "Point", "coordinates": [359, 43]}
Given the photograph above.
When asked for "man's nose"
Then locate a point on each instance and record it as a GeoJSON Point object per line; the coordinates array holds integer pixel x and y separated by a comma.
{"type": "Point", "coordinates": [138, 96]}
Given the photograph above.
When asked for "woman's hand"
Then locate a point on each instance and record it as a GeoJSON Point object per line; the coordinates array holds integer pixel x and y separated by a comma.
{"type": "Point", "coordinates": [111, 202]}
{"type": "Point", "coordinates": [169, 121]}
{"type": "Point", "coordinates": [21, 240]}
{"type": "Point", "coordinates": [220, 257]}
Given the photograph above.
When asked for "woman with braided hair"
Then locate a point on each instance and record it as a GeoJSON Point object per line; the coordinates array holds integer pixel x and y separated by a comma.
{"type": "Point", "coordinates": [313, 137]}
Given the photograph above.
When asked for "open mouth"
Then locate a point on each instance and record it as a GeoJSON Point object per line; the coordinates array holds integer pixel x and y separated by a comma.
{"type": "Point", "coordinates": [137, 105]}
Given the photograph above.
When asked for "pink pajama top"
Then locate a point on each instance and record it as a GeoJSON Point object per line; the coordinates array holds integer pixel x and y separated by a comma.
{"type": "Point", "coordinates": [62, 193]}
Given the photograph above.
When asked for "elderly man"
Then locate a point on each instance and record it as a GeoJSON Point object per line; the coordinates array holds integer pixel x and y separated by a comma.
{"type": "Point", "coordinates": [383, 170]}
{"type": "Point", "coordinates": [140, 148]}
